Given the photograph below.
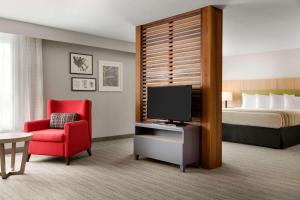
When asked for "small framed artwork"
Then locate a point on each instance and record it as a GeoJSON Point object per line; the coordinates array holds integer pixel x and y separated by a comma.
{"type": "Point", "coordinates": [81, 64]}
{"type": "Point", "coordinates": [110, 76]}
{"type": "Point", "coordinates": [83, 84]}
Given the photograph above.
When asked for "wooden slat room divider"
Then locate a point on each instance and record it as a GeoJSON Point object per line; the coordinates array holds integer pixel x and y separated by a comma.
{"type": "Point", "coordinates": [185, 49]}
{"type": "Point", "coordinates": [171, 55]}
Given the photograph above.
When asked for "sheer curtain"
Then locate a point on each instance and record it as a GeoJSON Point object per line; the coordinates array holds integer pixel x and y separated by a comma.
{"type": "Point", "coordinates": [21, 81]}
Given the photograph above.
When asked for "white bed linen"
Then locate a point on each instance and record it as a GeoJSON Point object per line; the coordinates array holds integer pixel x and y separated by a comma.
{"type": "Point", "coordinates": [269, 118]}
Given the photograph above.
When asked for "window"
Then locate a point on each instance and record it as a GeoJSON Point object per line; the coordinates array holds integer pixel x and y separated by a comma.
{"type": "Point", "coordinates": [21, 81]}
{"type": "Point", "coordinates": [6, 84]}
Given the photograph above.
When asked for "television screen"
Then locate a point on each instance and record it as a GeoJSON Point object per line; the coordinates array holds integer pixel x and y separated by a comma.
{"type": "Point", "coordinates": [170, 103]}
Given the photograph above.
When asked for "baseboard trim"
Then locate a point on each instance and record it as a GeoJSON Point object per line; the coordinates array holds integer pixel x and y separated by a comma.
{"type": "Point", "coordinates": [115, 137]}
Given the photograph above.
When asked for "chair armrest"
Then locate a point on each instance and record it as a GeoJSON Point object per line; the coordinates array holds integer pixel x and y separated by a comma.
{"type": "Point", "coordinates": [36, 125]}
{"type": "Point", "coordinates": [76, 125]}
{"type": "Point", "coordinates": [76, 137]}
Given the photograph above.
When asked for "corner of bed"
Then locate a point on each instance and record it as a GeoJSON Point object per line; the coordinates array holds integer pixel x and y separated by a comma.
{"type": "Point", "coordinates": [269, 128]}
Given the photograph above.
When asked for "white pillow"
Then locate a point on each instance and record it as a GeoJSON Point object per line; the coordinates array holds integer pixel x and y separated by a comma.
{"type": "Point", "coordinates": [262, 101]}
{"type": "Point", "coordinates": [276, 101]}
{"type": "Point", "coordinates": [248, 100]}
{"type": "Point", "coordinates": [291, 102]}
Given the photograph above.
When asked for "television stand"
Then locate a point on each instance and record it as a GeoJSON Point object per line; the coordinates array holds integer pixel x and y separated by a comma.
{"type": "Point", "coordinates": [178, 144]}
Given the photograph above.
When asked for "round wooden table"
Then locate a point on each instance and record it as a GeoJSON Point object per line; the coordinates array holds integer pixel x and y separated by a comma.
{"type": "Point", "coordinates": [13, 138]}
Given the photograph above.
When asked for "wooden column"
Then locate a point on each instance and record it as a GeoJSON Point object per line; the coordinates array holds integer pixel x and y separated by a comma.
{"type": "Point", "coordinates": [211, 20]}
{"type": "Point", "coordinates": [138, 76]}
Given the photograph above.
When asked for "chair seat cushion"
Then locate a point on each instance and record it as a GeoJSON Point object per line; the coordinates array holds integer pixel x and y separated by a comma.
{"type": "Point", "coordinates": [48, 135]}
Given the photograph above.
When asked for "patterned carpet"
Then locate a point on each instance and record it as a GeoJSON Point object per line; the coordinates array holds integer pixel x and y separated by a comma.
{"type": "Point", "coordinates": [248, 172]}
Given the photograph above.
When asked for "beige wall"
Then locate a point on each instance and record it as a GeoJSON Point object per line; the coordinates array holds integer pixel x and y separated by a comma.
{"type": "Point", "coordinates": [267, 65]}
{"type": "Point", "coordinates": [113, 112]}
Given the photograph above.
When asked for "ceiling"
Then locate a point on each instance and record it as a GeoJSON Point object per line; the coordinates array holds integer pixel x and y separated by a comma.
{"type": "Point", "coordinates": [250, 26]}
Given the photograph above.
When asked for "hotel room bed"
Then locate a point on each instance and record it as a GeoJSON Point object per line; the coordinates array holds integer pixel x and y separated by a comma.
{"type": "Point", "coordinates": [262, 127]}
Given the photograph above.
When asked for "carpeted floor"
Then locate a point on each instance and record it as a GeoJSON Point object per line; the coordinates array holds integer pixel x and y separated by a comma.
{"type": "Point", "coordinates": [248, 172]}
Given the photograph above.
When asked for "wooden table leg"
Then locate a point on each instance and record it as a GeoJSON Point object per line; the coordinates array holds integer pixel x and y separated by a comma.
{"type": "Point", "coordinates": [13, 156]}
{"type": "Point", "coordinates": [2, 156]}
{"type": "Point", "coordinates": [24, 157]}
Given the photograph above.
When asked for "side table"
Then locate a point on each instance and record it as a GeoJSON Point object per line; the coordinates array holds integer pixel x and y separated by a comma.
{"type": "Point", "coordinates": [13, 138]}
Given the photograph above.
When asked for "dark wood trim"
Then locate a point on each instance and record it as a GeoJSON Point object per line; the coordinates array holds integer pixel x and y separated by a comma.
{"type": "Point", "coordinates": [173, 18]}
{"type": "Point", "coordinates": [72, 89]}
{"type": "Point", "coordinates": [85, 55]}
{"type": "Point", "coordinates": [138, 75]}
{"type": "Point", "coordinates": [211, 87]}
{"type": "Point", "coordinates": [115, 137]}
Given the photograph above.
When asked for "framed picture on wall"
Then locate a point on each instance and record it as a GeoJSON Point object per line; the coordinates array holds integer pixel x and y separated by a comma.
{"type": "Point", "coordinates": [110, 76]}
{"type": "Point", "coordinates": [83, 84]}
{"type": "Point", "coordinates": [81, 64]}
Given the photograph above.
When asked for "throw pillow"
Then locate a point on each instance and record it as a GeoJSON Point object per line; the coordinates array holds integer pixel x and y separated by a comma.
{"type": "Point", "coordinates": [291, 102]}
{"type": "Point", "coordinates": [248, 100]}
{"type": "Point", "coordinates": [262, 101]}
{"type": "Point", "coordinates": [276, 101]}
{"type": "Point", "coordinates": [58, 120]}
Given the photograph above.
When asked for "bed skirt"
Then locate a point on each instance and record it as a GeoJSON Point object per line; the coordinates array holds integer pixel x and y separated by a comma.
{"type": "Point", "coordinates": [268, 137]}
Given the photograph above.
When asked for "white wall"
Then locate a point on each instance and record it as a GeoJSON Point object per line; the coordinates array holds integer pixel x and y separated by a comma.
{"type": "Point", "coordinates": [113, 112]}
{"type": "Point", "coordinates": [275, 64]}
{"type": "Point", "coordinates": [55, 34]}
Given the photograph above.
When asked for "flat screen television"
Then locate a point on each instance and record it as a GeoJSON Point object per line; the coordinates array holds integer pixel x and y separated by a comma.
{"type": "Point", "coordinates": [172, 103]}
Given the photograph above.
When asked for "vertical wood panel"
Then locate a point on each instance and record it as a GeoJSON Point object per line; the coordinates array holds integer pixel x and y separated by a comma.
{"type": "Point", "coordinates": [211, 87]}
{"type": "Point", "coordinates": [138, 71]}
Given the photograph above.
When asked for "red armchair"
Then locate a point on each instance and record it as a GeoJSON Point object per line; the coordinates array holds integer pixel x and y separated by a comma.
{"type": "Point", "coordinates": [74, 138]}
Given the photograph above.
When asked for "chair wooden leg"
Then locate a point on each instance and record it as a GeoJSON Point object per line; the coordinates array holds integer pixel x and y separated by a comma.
{"type": "Point", "coordinates": [28, 158]}
{"type": "Point", "coordinates": [136, 156]}
{"type": "Point", "coordinates": [68, 159]}
{"type": "Point", "coordinates": [89, 152]}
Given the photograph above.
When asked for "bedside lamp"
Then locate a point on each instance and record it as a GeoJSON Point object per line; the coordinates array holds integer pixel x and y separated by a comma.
{"type": "Point", "coordinates": [226, 96]}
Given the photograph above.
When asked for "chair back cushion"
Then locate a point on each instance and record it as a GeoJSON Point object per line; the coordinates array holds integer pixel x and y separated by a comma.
{"type": "Point", "coordinates": [81, 107]}
{"type": "Point", "coordinates": [58, 120]}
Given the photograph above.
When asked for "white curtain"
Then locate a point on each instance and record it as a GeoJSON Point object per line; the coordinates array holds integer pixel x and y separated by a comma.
{"type": "Point", "coordinates": [21, 81]}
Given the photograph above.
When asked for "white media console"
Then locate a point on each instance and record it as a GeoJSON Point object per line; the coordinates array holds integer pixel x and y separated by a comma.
{"type": "Point", "coordinates": [178, 144]}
